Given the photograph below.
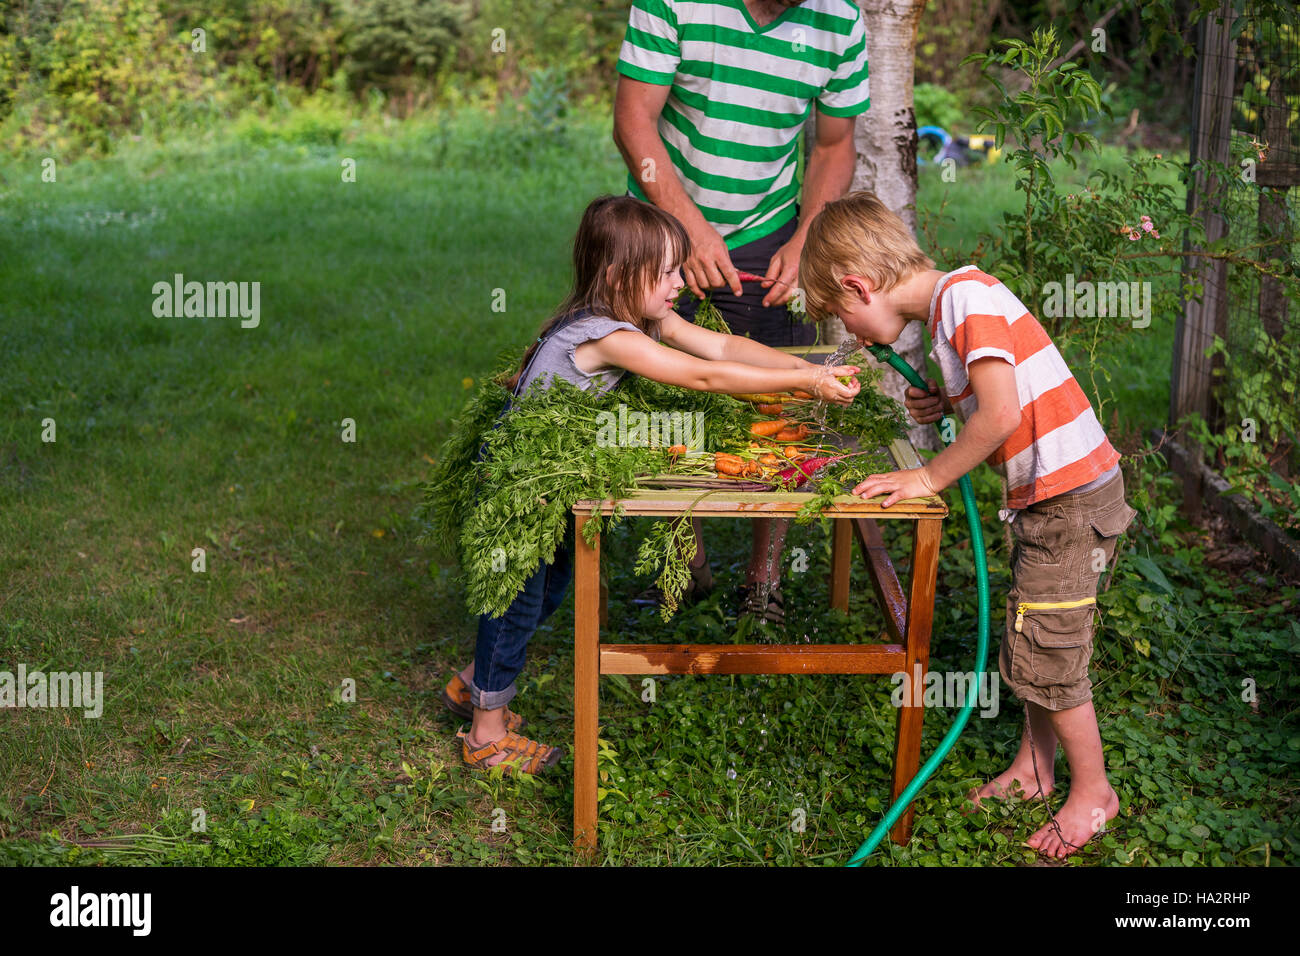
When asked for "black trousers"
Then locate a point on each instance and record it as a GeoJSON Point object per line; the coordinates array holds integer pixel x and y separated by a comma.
{"type": "Point", "coordinates": [776, 326]}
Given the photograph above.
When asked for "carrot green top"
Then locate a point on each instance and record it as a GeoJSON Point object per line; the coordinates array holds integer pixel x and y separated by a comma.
{"type": "Point", "coordinates": [740, 95]}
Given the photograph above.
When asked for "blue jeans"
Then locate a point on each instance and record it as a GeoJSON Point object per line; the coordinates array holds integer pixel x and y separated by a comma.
{"type": "Point", "coordinates": [503, 641]}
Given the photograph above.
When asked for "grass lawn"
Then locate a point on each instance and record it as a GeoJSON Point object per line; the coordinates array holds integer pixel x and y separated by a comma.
{"type": "Point", "coordinates": [224, 690]}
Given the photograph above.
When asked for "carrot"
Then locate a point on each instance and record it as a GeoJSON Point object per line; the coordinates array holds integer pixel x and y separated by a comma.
{"type": "Point", "coordinates": [760, 398]}
{"type": "Point", "coordinates": [769, 409]}
{"type": "Point", "coordinates": [770, 460]}
{"type": "Point", "coordinates": [727, 465]}
{"type": "Point", "coordinates": [676, 450]}
{"type": "Point", "coordinates": [792, 434]}
{"type": "Point", "coordinates": [764, 429]}
{"type": "Point", "coordinates": [800, 393]}
{"type": "Point", "coordinates": [793, 453]}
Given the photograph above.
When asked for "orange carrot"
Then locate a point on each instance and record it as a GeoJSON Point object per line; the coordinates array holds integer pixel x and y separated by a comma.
{"type": "Point", "coordinates": [800, 393]}
{"type": "Point", "coordinates": [728, 466]}
{"type": "Point", "coordinates": [676, 450]}
{"type": "Point", "coordinates": [770, 460]}
{"type": "Point", "coordinates": [765, 429]}
{"type": "Point", "coordinates": [769, 409]}
{"type": "Point", "coordinates": [792, 434]}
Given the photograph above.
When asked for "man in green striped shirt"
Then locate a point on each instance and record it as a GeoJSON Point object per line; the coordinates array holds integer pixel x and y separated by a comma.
{"type": "Point", "coordinates": [709, 114]}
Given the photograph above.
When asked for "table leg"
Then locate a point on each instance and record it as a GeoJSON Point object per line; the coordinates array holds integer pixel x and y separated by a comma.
{"type": "Point", "coordinates": [586, 684]}
{"type": "Point", "coordinates": [920, 614]}
{"type": "Point", "coordinates": [841, 556]}
{"type": "Point", "coordinates": [603, 616]}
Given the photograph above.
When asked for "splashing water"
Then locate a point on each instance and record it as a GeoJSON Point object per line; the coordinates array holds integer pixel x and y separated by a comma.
{"type": "Point", "coordinates": [838, 357]}
{"type": "Point", "coordinates": [772, 569]}
{"type": "Point", "coordinates": [819, 410]}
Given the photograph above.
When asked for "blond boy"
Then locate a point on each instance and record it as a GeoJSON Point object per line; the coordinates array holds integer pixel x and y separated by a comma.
{"type": "Point", "coordinates": [1024, 414]}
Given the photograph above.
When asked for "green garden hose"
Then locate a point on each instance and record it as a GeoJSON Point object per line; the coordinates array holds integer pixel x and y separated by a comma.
{"type": "Point", "coordinates": [884, 354]}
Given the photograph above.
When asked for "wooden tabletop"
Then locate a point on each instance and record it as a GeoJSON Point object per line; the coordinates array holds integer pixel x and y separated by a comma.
{"type": "Point", "coordinates": [727, 503]}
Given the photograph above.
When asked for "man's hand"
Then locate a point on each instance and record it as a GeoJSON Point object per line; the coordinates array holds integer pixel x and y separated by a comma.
{"type": "Point", "coordinates": [927, 406]}
{"type": "Point", "coordinates": [785, 267]}
{"type": "Point", "coordinates": [709, 265]}
{"type": "Point", "coordinates": [897, 485]}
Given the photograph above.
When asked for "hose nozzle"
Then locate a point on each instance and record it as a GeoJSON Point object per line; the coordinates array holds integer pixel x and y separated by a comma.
{"type": "Point", "coordinates": [887, 356]}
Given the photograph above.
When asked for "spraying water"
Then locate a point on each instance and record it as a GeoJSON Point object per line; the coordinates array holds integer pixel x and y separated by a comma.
{"type": "Point", "coordinates": [819, 410]}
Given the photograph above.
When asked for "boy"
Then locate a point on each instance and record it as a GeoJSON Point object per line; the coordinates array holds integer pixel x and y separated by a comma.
{"type": "Point", "coordinates": [1025, 414]}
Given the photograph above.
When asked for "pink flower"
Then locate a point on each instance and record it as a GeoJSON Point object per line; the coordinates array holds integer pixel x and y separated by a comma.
{"type": "Point", "coordinates": [1155, 234]}
{"type": "Point", "coordinates": [1134, 235]}
{"type": "Point", "coordinates": [1146, 224]}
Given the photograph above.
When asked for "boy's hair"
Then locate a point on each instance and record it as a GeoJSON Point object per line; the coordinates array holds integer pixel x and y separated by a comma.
{"type": "Point", "coordinates": [855, 235]}
{"type": "Point", "coordinates": [633, 237]}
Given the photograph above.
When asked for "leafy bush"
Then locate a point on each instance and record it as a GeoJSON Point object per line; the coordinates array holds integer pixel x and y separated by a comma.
{"type": "Point", "coordinates": [936, 106]}
{"type": "Point", "coordinates": [397, 45]}
{"type": "Point", "coordinates": [90, 68]}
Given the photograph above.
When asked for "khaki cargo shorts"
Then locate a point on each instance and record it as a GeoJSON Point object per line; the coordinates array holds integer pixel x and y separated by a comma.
{"type": "Point", "coordinates": [1061, 546]}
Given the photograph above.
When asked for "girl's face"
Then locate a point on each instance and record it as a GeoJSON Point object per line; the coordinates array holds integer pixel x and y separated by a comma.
{"type": "Point", "coordinates": [662, 292]}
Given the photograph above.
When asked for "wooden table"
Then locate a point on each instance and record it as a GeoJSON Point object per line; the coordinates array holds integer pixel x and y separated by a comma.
{"type": "Point", "coordinates": [905, 641]}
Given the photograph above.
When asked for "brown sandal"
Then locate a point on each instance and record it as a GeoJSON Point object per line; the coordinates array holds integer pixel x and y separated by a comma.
{"type": "Point", "coordinates": [456, 696]}
{"type": "Point", "coordinates": [522, 754]}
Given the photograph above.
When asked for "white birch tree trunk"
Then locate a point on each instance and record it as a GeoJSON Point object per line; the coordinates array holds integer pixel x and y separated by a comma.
{"type": "Point", "coordinates": [885, 136]}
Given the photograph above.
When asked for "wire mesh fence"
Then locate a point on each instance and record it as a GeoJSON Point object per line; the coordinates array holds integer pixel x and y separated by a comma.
{"type": "Point", "coordinates": [1248, 119]}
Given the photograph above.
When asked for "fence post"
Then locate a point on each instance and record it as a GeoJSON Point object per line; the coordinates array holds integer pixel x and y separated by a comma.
{"type": "Point", "coordinates": [1192, 380]}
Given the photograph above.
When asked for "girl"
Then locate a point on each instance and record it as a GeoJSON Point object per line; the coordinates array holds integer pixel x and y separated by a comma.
{"type": "Point", "coordinates": [626, 261]}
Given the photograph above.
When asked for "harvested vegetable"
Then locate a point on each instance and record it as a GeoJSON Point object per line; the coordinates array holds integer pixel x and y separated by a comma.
{"type": "Point", "coordinates": [501, 513]}
{"type": "Point", "coordinates": [770, 409]}
{"type": "Point", "coordinates": [765, 429]}
{"type": "Point", "coordinates": [728, 464]}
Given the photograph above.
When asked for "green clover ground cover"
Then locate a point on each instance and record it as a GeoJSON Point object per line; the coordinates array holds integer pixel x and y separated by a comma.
{"type": "Point", "coordinates": [225, 690]}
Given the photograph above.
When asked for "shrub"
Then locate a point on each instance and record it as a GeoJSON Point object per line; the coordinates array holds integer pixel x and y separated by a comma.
{"type": "Point", "coordinates": [399, 45]}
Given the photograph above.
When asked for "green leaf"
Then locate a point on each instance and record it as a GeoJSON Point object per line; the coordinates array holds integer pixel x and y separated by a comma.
{"type": "Point", "coordinates": [1151, 571]}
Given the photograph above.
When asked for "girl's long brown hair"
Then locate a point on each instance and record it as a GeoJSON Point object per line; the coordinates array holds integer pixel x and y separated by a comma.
{"type": "Point", "coordinates": [632, 237]}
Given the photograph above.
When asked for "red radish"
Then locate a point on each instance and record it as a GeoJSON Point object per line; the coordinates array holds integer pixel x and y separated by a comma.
{"type": "Point", "coordinates": [750, 277]}
{"type": "Point", "coordinates": [804, 470]}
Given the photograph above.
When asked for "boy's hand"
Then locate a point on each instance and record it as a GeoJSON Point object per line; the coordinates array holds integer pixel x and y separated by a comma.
{"type": "Point", "coordinates": [925, 407]}
{"type": "Point", "coordinates": [897, 485]}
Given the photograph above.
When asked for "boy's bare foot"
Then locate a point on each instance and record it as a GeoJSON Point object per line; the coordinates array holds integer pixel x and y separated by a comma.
{"type": "Point", "coordinates": [1004, 785]}
{"type": "Point", "coordinates": [1082, 816]}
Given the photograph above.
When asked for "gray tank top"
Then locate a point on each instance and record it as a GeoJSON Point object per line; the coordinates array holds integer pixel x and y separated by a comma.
{"type": "Point", "coordinates": [555, 355]}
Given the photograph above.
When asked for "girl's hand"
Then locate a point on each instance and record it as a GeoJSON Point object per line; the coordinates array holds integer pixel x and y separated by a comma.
{"type": "Point", "coordinates": [897, 485]}
{"type": "Point", "coordinates": [826, 384]}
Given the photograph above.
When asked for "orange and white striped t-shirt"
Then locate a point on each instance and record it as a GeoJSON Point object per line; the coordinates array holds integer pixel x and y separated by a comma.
{"type": "Point", "coordinates": [1060, 445]}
